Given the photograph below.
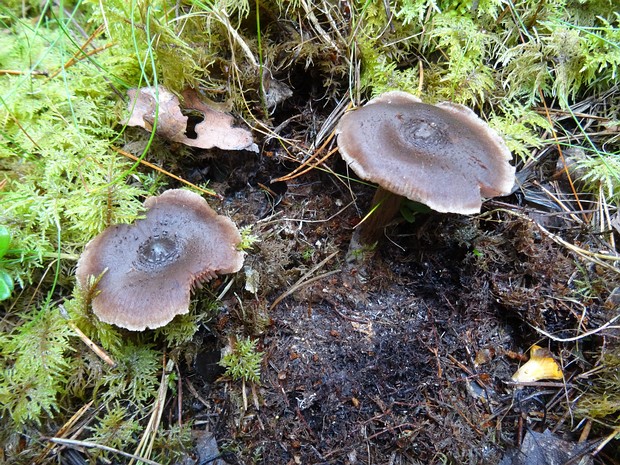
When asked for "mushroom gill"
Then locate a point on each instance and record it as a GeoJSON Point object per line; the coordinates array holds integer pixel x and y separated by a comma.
{"type": "Point", "coordinates": [149, 268]}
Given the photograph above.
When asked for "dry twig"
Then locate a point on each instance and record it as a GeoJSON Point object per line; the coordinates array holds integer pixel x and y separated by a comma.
{"type": "Point", "coordinates": [145, 447]}
{"type": "Point", "coordinates": [92, 445]}
{"type": "Point", "coordinates": [303, 281]}
{"type": "Point", "coordinates": [163, 171]}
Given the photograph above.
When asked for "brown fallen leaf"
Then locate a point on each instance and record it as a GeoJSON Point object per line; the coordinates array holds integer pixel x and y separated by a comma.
{"type": "Point", "coordinates": [541, 365]}
{"type": "Point", "coordinates": [216, 130]}
{"type": "Point", "coordinates": [171, 123]}
{"type": "Point", "coordinates": [484, 356]}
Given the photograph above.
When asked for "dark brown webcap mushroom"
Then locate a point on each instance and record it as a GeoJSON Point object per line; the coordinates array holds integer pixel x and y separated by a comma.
{"type": "Point", "coordinates": [151, 266]}
{"type": "Point", "coordinates": [442, 155]}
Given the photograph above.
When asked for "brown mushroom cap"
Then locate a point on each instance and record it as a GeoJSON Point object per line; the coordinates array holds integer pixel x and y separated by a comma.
{"type": "Point", "coordinates": [153, 264]}
{"type": "Point", "coordinates": [442, 155]}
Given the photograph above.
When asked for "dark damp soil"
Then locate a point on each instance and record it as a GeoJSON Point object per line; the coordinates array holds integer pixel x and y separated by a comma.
{"type": "Point", "coordinates": [406, 359]}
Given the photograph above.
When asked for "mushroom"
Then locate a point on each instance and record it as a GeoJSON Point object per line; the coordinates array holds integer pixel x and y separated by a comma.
{"type": "Point", "coordinates": [441, 155]}
{"type": "Point", "coordinates": [148, 269]}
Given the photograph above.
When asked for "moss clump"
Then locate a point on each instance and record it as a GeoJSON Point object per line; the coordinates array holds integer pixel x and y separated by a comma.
{"type": "Point", "coordinates": [36, 366]}
{"type": "Point", "coordinates": [62, 183]}
{"type": "Point", "coordinates": [243, 361]}
{"type": "Point", "coordinates": [602, 400]}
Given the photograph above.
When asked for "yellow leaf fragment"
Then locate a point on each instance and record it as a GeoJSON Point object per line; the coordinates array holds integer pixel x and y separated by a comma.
{"type": "Point", "coordinates": [541, 365]}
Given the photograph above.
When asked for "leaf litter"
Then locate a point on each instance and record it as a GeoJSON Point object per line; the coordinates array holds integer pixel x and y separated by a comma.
{"type": "Point", "coordinates": [158, 107]}
{"type": "Point", "coordinates": [382, 363]}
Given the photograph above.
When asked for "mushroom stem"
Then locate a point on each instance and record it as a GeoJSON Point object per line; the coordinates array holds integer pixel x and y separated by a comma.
{"type": "Point", "coordinates": [384, 207]}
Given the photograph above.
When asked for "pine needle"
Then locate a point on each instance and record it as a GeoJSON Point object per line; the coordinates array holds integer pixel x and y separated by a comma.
{"type": "Point", "coordinates": [166, 173]}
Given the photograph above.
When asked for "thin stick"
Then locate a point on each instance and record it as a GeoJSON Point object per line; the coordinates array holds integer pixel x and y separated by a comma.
{"type": "Point", "coordinates": [21, 128]}
{"type": "Point", "coordinates": [194, 392]}
{"type": "Point", "coordinates": [288, 177]}
{"type": "Point", "coordinates": [568, 114]}
{"type": "Point", "coordinates": [167, 173]}
{"type": "Point", "coordinates": [294, 173]}
{"type": "Point", "coordinates": [583, 437]}
{"type": "Point", "coordinates": [102, 354]}
{"type": "Point", "coordinates": [15, 72]}
{"type": "Point", "coordinates": [92, 445]}
{"type": "Point", "coordinates": [561, 154]}
{"type": "Point", "coordinates": [327, 128]}
{"type": "Point", "coordinates": [145, 447]}
{"type": "Point", "coordinates": [302, 281]}
{"type": "Point", "coordinates": [595, 257]}
{"type": "Point", "coordinates": [75, 60]}
{"type": "Point", "coordinates": [581, 336]}
{"type": "Point", "coordinates": [301, 220]}
{"type": "Point", "coordinates": [559, 202]}
{"type": "Point", "coordinates": [421, 79]}
{"type": "Point", "coordinates": [80, 51]}
{"type": "Point", "coordinates": [606, 218]}
{"type": "Point", "coordinates": [609, 438]}
{"type": "Point", "coordinates": [63, 430]}
{"type": "Point", "coordinates": [538, 384]}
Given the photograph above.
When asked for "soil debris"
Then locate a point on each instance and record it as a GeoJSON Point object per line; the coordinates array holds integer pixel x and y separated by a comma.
{"type": "Point", "coordinates": [407, 361]}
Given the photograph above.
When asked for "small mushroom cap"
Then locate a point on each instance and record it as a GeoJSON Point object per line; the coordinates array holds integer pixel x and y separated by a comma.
{"type": "Point", "coordinates": [442, 155]}
{"type": "Point", "coordinates": [151, 266]}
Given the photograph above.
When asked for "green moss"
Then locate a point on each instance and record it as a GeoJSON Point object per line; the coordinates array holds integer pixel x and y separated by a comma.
{"type": "Point", "coordinates": [63, 184]}
{"type": "Point", "coordinates": [172, 445]}
{"type": "Point", "coordinates": [520, 127]}
{"type": "Point", "coordinates": [35, 366]}
{"type": "Point", "coordinates": [602, 401]}
{"type": "Point", "coordinates": [247, 239]}
{"type": "Point", "coordinates": [116, 428]}
{"type": "Point", "coordinates": [62, 179]}
{"type": "Point", "coordinates": [135, 375]}
{"type": "Point", "coordinates": [502, 59]}
{"type": "Point", "coordinates": [464, 45]}
{"type": "Point", "coordinates": [243, 361]}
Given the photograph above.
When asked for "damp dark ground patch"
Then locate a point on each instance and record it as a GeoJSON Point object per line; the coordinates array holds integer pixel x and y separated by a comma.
{"type": "Point", "coordinates": [405, 359]}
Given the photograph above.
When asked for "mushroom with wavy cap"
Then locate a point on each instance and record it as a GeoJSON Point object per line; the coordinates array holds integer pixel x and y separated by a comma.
{"type": "Point", "coordinates": [148, 269]}
{"type": "Point", "coordinates": [441, 155]}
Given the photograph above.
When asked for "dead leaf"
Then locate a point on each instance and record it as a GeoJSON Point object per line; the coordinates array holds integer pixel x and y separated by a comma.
{"type": "Point", "coordinates": [547, 449]}
{"type": "Point", "coordinates": [205, 449]}
{"type": "Point", "coordinates": [217, 129]}
{"type": "Point", "coordinates": [484, 356]}
{"type": "Point", "coordinates": [275, 91]}
{"type": "Point", "coordinates": [171, 123]}
{"type": "Point", "coordinates": [541, 365]}
{"type": "Point", "coordinates": [252, 279]}
{"type": "Point", "coordinates": [364, 328]}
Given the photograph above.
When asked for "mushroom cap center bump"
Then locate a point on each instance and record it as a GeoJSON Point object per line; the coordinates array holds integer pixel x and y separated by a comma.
{"type": "Point", "coordinates": [158, 251]}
